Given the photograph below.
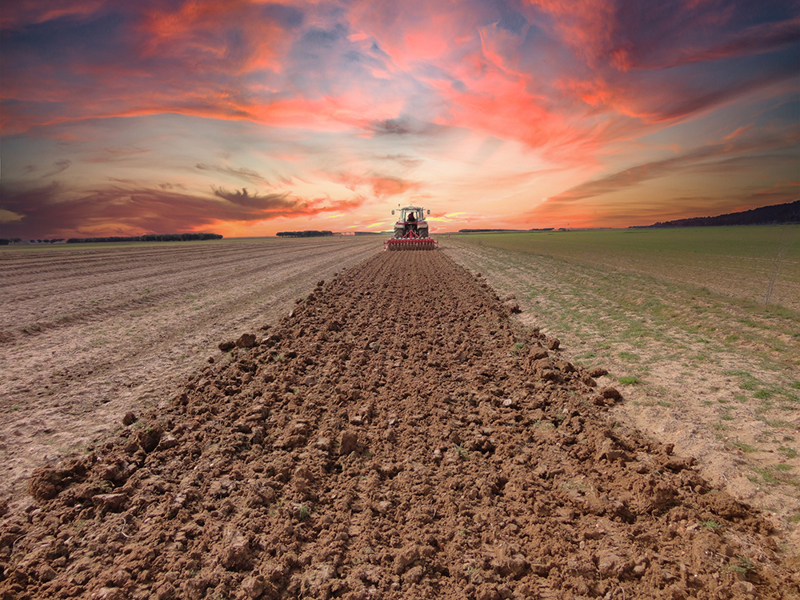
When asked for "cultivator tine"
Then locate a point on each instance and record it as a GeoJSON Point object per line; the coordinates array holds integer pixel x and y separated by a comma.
{"type": "Point", "coordinates": [410, 243]}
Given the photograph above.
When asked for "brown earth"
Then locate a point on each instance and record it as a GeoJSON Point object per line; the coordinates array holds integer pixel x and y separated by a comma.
{"type": "Point", "coordinates": [87, 333]}
{"type": "Point", "coordinates": [397, 436]}
{"type": "Point", "coordinates": [688, 392]}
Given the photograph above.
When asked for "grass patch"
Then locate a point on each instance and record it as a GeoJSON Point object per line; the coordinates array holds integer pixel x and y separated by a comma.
{"type": "Point", "coordinates": [773, 476]}
{"type": "Point", "coordinates": [462, 452]}
{"type": "Point", "coordinates": [742, 565]}
{"type": "Point", "coordinates": [628, 380]}
{"type": "Point", "coordinates": [779, 424]}
{"type": "Point", "coordinates": [744, 447]}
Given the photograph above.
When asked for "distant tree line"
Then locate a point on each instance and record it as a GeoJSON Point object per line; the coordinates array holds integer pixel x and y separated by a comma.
{"type": "Point", "coordinates": [490, 230]}
{"type": "Point", "coordinates": [308, 233]}
{"type": "Point", "coordinates": [502, 230]}
{"type": "Point", "coordinates": [164, 237]}
{"type": "Point", "coordinates": [7, 241]}
{"type": "Point", "coordinates": [766, 215]}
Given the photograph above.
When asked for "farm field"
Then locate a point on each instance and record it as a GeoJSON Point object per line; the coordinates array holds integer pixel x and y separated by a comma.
{"type": "Point", "coordinates": [397, 435]}
{"type": "Point", "coordinates": [679, 319]}
{"type": "Point", "coordinates": [747, 263]}
{"type": "Point", "coordinates": [89, 331]}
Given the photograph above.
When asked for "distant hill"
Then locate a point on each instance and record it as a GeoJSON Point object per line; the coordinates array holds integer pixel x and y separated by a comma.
{"type": "Point", "coordinates": [766, 215]}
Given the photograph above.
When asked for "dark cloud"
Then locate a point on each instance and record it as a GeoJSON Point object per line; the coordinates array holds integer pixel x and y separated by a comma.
{"type": "Point", "coordinates": [759, 38]}
{"type": "Point", "coordinates": [405, 160]}
{"type": "Point", "coordinates": [404, 125]}
{"type": "Point", "coordinates": [714, 158]}
{"type": "Point", "coordinates": [288, 17]}
{"type": "Point", "coordinates": [171, 186]}
{"type": "Point", "coordinates": [240, 173]}
{"type": "Point", "coordinates": [59, 166]}
{"type": "Point", "coordinates": [511, 19]}
{"type": "Point", "coordinates": [247, 200]}
{"type": "Point", "coordinates": [110, 155]}
{"type": "Point", "coordinates": [657, 35]}
{"type": "Point", "coordinates": [684, 100]}
{"type": "Point", "coordinates": [318, 38]}
{"type": "Point", "coordinates": [54, 210]}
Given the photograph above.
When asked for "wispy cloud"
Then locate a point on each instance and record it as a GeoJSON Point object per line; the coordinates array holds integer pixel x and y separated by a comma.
{"type": "Point", "coordinates": [240, 173]}
{"type": "Point", "coordinates": [716, 158]}
{"type": "Point", "coordinates": [58, 167]}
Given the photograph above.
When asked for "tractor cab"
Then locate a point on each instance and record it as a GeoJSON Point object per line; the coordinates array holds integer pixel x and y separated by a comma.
{"type": "Point", "coordinates": [412, 218]}
{"type": "Point", "coordinates": [411, 214]}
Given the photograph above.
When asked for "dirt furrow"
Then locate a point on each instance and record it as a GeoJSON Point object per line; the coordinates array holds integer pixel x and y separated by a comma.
{"type": "Point", "coordinates": [396, 436]}
{"type": "Point", "coordinates": [62, 386]}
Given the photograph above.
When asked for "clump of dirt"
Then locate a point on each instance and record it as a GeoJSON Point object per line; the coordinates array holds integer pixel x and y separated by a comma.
{"type": "Point", "coordinates": [396, 436]}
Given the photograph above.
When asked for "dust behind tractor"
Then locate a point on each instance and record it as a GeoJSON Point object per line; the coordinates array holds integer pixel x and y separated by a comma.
{"type": "Point", "coordinates": [411, 231]}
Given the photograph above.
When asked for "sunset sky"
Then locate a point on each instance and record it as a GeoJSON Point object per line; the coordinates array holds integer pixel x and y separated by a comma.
{"type": "Point", "coordinates": [246, 118]}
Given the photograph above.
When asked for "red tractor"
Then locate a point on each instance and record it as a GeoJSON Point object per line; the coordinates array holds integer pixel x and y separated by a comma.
{"type": "Point", "coordinates": [411, 231]}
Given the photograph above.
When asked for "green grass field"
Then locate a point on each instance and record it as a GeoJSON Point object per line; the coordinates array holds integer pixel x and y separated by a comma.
{"type": "Point", "coordinates": [737, 261]}
{"type": "Point", "coordinates": [699, 328]}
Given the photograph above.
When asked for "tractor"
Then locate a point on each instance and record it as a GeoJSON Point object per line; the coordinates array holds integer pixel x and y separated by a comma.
{"type": "Point", "coordinates": [411, 231]}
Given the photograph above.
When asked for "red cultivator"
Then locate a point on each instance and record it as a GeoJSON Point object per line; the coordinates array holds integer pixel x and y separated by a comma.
{"type": "Point", "coordinates": [411, 241]}
{"type": "Point", "coordinates": [411, 231]}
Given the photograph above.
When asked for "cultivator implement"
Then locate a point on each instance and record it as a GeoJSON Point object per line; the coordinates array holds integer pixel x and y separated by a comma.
{"type": "Point", "coordinates": [411, 241]}
{"type": "Point", "coordinates": [411, 231]}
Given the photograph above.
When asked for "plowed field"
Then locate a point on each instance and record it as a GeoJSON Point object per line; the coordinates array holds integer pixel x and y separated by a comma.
{"type": "Point", "coordinates": [396, 436]}
{"type": "Point", "coordinates": [88, 331]}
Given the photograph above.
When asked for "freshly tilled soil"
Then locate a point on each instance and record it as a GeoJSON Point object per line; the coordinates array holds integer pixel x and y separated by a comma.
{"type": "Point", "coordinates": [91, 331]}
{"type": "Point", "coordinates": [396, 436]}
